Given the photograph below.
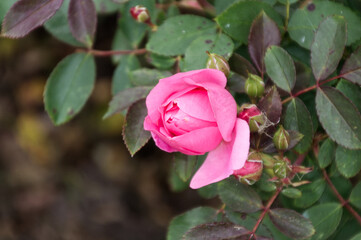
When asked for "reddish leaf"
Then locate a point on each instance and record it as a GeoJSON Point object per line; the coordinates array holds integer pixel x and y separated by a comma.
{"type": "Point", "coordinates": [264, 33]}
{"type": "Point", "coordinates": [240, 65]}
{"type": "Point", "coordinates": [83, 20]}
{"type": "Point", "coordinates": [271, 105]}
{"type": "Point", "coordinates": [26, 15]}
{"type": "Point", "coordinates": [351, 70]}
{"type": "Point", "coordinates": [217, 231]}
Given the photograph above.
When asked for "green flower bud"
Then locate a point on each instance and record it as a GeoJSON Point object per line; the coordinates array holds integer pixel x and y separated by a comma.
{"type": "Point", "coordinates": [218, 62]}
{"type": "Point", "coordinates": [281, 138]}
{"type": "Point", "coordinates": [281, 169]}
{"type": "Point", "coordinates": [254, 86]}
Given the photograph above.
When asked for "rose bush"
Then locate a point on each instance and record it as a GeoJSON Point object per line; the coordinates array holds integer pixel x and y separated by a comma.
{"type": "Point", "coordinates": [193, 113]}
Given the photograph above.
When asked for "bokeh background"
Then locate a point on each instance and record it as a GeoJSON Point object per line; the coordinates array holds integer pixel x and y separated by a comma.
{"type": "Point", "coordinates": [76, 181]}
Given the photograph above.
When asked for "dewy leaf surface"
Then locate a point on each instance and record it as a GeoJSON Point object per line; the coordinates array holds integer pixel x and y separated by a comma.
{"type": "Point", "coordinates": [26, 15]}
{"type": "Point", "coordinates": [83, 20]}
{"type": "Point", "coordinates": [69, 86]}
{"type": "Point", "coordinates": [175, 34]}
{"type": "Point", "coordinates": [304, 21]}
{"type": "Point", "coordinates": [327, 47]}
{"type": "Point", "coordinates": [339, 117]}
{"type": "Point", "coordinates": [264, 33]}
{"type": "Point", "coordinates": [134, 135]}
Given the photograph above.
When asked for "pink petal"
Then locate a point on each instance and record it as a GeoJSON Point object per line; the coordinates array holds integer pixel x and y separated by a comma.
{"type": "Point", "coordinates": [225, 110]}
{"type": "Point", "coordinates": [225, 159]}
{"type": "Point", "coordinates": [161, 144]}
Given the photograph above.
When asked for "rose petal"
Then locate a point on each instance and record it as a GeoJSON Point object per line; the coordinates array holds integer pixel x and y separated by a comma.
{"type": "Point", "coordinates": [225, 111]}
{"type": "Point", "coordinates": [222, 161]}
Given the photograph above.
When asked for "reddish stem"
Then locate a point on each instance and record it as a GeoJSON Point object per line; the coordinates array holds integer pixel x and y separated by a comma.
{"type": "Point", "coordinates": [340, 198]}
{"type": "Point", "coordinates": [101, 53]}
{"type": "Point", "coordinates": [310, 88]}
{"type": "Point", "coordinates": [265, 210]}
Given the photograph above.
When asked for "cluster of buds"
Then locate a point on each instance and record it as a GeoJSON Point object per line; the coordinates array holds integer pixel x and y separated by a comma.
{"type": "Point", "coordinates": [218, 62]}
{"type": "Point", "coordinates": [141, 14]}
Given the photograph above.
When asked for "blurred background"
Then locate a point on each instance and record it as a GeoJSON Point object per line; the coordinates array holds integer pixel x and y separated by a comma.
{"type": "Point", "coordinates": [76, 181]}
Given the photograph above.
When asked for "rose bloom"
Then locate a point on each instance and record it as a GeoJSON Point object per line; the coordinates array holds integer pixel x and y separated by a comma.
{"type": "Point", "coordinates": [191, 112]}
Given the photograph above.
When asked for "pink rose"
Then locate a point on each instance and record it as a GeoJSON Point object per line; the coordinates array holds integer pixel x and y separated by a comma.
{"type": "Point", "coordinates": [191, 112]}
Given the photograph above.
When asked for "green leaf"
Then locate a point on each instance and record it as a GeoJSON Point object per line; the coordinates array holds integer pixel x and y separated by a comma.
{"type": "Point", "coordinates": [339, 117]}
{"type": "Point", "coordinates": [216, 231]}
{"type": "Point", "coordinates": [236, 21]}
{"type": "Point", "coordinates": [184, 165]}
{"type": "Point", "coordinates": [298, 118]}
{"type": "Point", "coordinates": [280, 68]}
{"type": "Point", "coordinates": [161, 62]}
{"type": "Point", "coordinates": [147, 77]}
{"type": "Point", "coordinates": [58, 26]}
{"type": "Point", "coordinates": [311, 193]}
{"type": "Point", "coordinates": [123, 99]}
{"type": "Point", "coordinates": [176, 184]}
{"type": "Point", "coordinates": [356, 237]}
{"type": "Point", "coordinates": [239, 196]}
{"type": "Point", "coordinates": [196, 54]}
{"type": "Point", "coordinates": [69, 87]}
{"type": "Point", "coordinates": [348, 162]}
{"type": "Point", "coordinates": [343, 186]}
{"type": "Point", "coordinates": [292, 192]}
{"type": "Point", "coordinates": [327, 47]}
{"type": "Point", "coordinates": [351, 70]}
{"type": "Point", "coordinates": [291, 223]}
{"type": "Point", "coordinates": [355, 197]}
{"type": "Point", "coordinates": [222, 5]}
{"type": "Point", "coordinates": [263, 33]}
{"type": "Point", "coordinates": [351, 91]}
{"type": "Point", "coordinates": [121, 77]}
{"type": "Point", "coordinates": [175, 34]}
{"type": "Point", "coordinates": [327, 153]}
{"type": "Point", "coordinates": [134, 135]}
{"type": "Point", "coordinates": [107, 6]}
{"type": "Point", "coordinates": [184, 222]}
{"type": "Point", "coordinates": [208, 191]}
{"type": "Point", "coordinates": [304, 21]}
{"type": "Point", "coordinates": [325, 219]}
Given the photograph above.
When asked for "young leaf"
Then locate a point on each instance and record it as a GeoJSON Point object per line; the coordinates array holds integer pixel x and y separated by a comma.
{"type": "Point", "coordinates": [240, 65]}
{"type": "Point", "coordinates": [4, 8]}
{"type": "Point", "coordinates": [305, 20]}
{"type": "Point", "coordinates": [216, 231]}
{"type": "Point", "coordinates": [182, 223]}
{"type": "Point", "coordinates": [311, 193]}
{"type": "Point", "coordinates": [339, 117]}
{"type": "Point", "coordinates": [291, 223]}
{"type": "Point", "coordinates": [69, 86]}
{"type": "Point", "coordinates": [355, 197]}
{"type": "Point", "coordinates": [83, 20]}
{"type": "Point", "coordinates": [175, 34]}
{"type": "Point", "coordinates": [58, 26]}
{"type": "Point", "coordinates": [271, 105]}
{"type": "Point", "coordinates": [351, 91]}
{"type": "Point", "coordinates": [264, 33]}
{"type": "Point", "coordinates": [292, 192]}
{"type": "Point", "coordinates": [327, 47]}
{"type": "Point", "coordinates": [147, 77]}
{"type": "Point", "coordinates": [134, 135]}
{"type": "Point", "coordinates": [298, 118]}
{"type": "Point", "coordinates": [280, 68]}
{"type": "Point", "coordinates": [26, 15]}
{"type": "Point", "coordinates": [325, 218]}
{"type": "Point", "coordinates": [351, 70]}
{"type": "Point", "coordinates": [125, 98]}
{"type": "Point", "coordinates": [121, 77]}
{"type": "Point", "coordinates": [348, 162]}
{"type": "Point", "coordinates": [196, 54]}
{"type": "Point", "coordinates": [237, 19]}
{"type": "Point", "coordinates": [184, 165]}
{"type": "Point", "coordinates": [239, 196]}
{"type": "Point", "coordinates": [327, 153]}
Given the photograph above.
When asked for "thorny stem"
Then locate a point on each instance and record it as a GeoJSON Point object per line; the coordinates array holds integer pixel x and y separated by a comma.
{"type": "Point", "coordinates": [100, 53]}
{"type": "Point", "coordinates": [310, 88]}
{"type": "Point", "coordinates": [340, 198]}
{"type": "Point", "coordinates": [265, 210]}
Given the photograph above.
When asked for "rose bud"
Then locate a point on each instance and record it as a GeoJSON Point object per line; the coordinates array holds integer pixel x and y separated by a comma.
{"type": "Point", "coordinates": [192, 113]}
{"type": "Point", "coordinates": [281, 168]}
{"type": "Point", "coordinates": [141, 14]}
{"type": "Point", "coordinates": [251, 171]}
{"type": "Point", "coordinates": [281, 138]}
{"type": "Point", "coordinates": [218, 62]}
{"type": "Point", "coordinates": [254, 86]}
{"type": "Point", "coordinates": [254, 116]}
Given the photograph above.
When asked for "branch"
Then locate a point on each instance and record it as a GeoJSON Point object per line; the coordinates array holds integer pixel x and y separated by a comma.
{"type": "Point", "coordinates": [340, 198]}
{"type": "Point", "coordinates": [101, 53]}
